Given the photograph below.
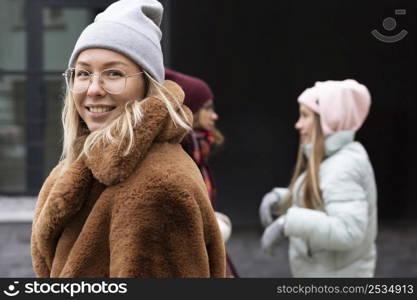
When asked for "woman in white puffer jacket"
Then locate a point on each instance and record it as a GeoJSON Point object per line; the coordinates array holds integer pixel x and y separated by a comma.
{"type": "Point", "coordinates": [329, 210]}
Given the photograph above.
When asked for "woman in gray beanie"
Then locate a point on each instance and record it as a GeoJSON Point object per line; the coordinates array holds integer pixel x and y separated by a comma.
{"type": "Point", "coordinates": [125, 200]}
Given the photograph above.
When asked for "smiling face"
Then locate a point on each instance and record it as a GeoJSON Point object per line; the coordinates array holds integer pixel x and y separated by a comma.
{"type": "Point", "coordinates": [305, 123]}
{"type": "Point", "coordinates": [96, 106]}
{"type": "Point", "coordinates": [207, 116]}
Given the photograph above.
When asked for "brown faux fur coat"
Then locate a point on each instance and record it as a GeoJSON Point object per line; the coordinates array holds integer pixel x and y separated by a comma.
{"type": "Point", "coordinates": [146, 214]}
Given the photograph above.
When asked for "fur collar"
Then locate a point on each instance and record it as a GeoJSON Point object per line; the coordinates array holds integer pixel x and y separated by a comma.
{"type": "Point", "coordinates": [108, 164]}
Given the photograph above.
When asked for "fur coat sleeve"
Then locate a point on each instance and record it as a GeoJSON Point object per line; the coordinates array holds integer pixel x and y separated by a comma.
{"type": "Point", "coordinates": [160, 235]}
{"type": "Point", "coordinates": [39, 265]}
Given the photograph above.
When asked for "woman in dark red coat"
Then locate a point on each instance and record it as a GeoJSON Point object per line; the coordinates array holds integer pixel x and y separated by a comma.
{"type": "Point", "coordinates": [205, 136]}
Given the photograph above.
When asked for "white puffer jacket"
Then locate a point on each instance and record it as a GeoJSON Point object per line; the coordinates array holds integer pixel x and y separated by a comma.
{"type": "Point", "coordinates": [339, 241]}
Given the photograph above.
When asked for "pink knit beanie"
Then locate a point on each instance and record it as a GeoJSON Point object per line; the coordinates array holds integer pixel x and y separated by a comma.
{"type": "Point", "coordinates": [342, 105]}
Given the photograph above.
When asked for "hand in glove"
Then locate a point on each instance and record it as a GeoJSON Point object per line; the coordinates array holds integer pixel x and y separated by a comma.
{"type": "Point", "coordinates": [225, 225]}
{"type": "Point", "coordinates": [269, 201]}
{"type": "Point", "coordinates": [273, 235]}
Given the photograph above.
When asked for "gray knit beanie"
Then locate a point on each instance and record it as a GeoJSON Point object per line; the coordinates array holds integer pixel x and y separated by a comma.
{"type": "Point", "coordinates": [130, 27]}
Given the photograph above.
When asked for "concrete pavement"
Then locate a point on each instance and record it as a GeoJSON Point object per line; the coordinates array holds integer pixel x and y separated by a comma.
{"type": "Point", "coordinates": [397, 249]}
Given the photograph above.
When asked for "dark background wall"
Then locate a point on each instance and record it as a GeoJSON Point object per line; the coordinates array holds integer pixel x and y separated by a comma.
{"type": "Point", "coordinates": [258, 57]}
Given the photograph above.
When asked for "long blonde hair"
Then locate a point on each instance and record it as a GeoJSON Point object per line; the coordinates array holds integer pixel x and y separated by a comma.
{"type": "Point", "coordinates": [119, 129]}
{"type": "Point", "coordinates": [312, 197]}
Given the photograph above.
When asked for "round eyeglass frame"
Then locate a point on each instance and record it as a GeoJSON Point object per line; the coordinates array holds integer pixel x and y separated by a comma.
{"type": "Point", "coordinates": [68, 77]}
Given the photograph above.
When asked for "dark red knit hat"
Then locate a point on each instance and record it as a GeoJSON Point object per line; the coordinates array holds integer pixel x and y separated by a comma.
{"type": "Point", "coordinates": [197, 92]}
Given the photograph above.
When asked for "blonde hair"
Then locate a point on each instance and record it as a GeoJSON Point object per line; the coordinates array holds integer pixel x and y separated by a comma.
{"type": "Point", "coordinates": [218, 137]}
{"type": "Point", "coordinates": [120, 129]}
{"type": "Point", "coordinates": [312, 197]}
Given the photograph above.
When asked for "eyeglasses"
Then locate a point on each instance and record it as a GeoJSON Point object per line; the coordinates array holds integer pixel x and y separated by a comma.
{"type": "Point", "coordinates": [112, 81]}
